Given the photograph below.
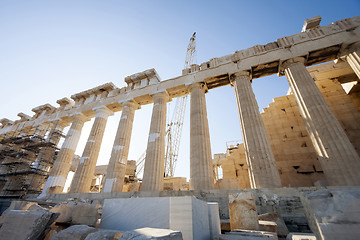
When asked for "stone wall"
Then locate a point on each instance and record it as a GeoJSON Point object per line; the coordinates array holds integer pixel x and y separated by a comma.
{"type": "Point", "coordinates": [294, 153]}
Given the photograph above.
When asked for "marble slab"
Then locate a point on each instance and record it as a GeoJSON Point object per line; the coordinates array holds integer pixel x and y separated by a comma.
{"type": "Point", "coordinates": [186, 214]}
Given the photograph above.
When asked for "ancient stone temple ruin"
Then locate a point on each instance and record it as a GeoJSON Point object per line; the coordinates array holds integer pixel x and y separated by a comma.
{"type": "Point", "coordinates": [295, 175]}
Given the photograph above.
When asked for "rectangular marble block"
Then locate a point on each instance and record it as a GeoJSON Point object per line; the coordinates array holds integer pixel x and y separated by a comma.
{"type": "Point", "coordinates": [243, 212]}
{"type": "Point", "coordinates": [186, 214]}
{"type": "Point", "coordinates": [214, 219]}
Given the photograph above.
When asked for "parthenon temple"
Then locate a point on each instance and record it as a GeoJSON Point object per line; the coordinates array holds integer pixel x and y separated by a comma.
{"type": "Point", "coordinates": [304, 142]}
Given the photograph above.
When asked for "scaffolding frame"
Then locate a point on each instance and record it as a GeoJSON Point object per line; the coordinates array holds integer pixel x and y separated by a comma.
{"type": "Point", "coordinates": [27, 155]}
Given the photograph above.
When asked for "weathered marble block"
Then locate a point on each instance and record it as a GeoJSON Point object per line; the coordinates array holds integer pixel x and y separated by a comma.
{"type": "Point", "coordinates": [26, 225]}
{"type": "Point", "coordinates": [186, 214]}
{"type": "Point", "coordinates": [243, 213]}
{"type": "Point", "coordinates": [333, 213]}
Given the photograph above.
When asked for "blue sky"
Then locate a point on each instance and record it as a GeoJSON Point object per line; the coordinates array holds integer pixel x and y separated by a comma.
{"type": "Point", "coordinates": [53, 49]}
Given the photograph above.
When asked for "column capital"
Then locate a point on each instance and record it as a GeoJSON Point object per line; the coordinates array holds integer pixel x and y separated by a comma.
{"type": "Point", "coordinates": [344, 53]}
{"type": "Point", "coordinates": [80, 117]}
{"type": "Point", "coordinates": [287, 63]}
{"type": "Point", "coordinates": [200, 85]}
{"type": "Point", "coordinates": [130, 104]}
{"type": "Point", "coordinates": [237, 75]}
{"type": "Point", "coordinates": [353, 59]}
{"type": "Point", "coordinates": [60, 123]}
{"type": "Point", "coordinates": [162, 94]}
{"type": "Point", "coordinates": [103, 111]}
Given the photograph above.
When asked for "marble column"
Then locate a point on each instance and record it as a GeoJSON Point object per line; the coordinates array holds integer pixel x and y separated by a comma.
{"type": "Point", "coordinates": [336, 154]}
{"type": "Point", "coordinates": [155, 152]}
{"type": "Point", "coordinates": [201, 171]}
{"type": "Point", "coordinates": [263, 172]}
{"type": "Point", "coordinates": [354, 61]}
{"type": "Point", "coordinates": [115, 172]}
{"type": "Point", "coordinates": [60, 170]}
{"type": "Point", "coordinates": [84, 174]}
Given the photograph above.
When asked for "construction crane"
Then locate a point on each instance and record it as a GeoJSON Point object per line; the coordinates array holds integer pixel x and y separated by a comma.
{"type": "Point", "coordinates": [174, 127]}
{"type": "Point", "coordinates": [174, 130]}
{"type": "Point", "coordinates": [190, 52]}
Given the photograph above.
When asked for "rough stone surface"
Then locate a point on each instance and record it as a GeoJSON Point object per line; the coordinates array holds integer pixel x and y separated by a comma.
{"type": "Point", "coordinates": [152, 233]}
{"type": "Point", "coordinates": [36, 207]}
{"type": "Point", "coordinates": [281, 228]}
{"type": "Point", "coordinates": [19, 205]}
{"type": "Point", "coordinates": [300, 236]}
{"type": "Point", "coordinates": [76, 232]}
{"type": "Point", "coordinates": [243, 213]}
{"type": "Point", "coordinates": [225, 225]}
{"type": "Point", "coordinates": [75, 212]}
{"type": "Point", "coordinates": [333, 213]}
{"type": "Point", "coordinates": [27, 225]}
{"type": "Point", "coordinates": [103, 234]}
{"type": "Point", "coordinates": [16, 205]}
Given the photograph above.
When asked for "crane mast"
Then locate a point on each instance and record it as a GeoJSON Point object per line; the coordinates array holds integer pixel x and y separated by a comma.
{"type": "Point", "coordinates": [190, 52]}
{"type": "Point", "coordinates": [174, 127]}
{"type": "Point", "coordinates": [174, 130]}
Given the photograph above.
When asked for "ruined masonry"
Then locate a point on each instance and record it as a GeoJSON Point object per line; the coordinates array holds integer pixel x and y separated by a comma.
{"type": "Point", "coordinates": [337, 153]}
{"type": "Point", "coordinates": [308, 138]}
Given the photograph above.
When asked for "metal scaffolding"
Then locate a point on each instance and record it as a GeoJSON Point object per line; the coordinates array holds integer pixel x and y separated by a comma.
{"type": "Point", "coordinates": [26, 158]}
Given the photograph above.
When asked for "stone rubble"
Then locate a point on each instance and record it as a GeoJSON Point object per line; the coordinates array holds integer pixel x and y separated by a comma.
{"type": "Point", "coordinates": [104, 234]}
{"type": "Point", "coordinates": [21, 205]}
{"type": "Point", "coordinates": [76, 232]}
{"type": "Point", "coordinates": [77, 212]}
{"type": "Point", "coordinates": [26, 225]}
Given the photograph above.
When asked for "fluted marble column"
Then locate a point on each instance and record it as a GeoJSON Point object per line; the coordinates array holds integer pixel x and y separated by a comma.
{"type": "Point", "coordinates": [85, 172]}
{"type": "Point", "coordinates": [263, 172]}
{"type": "Point", "coordinates": [115, 171]}
{"type": "Point", "coordinates": [155, 152]}
{"type": "Point", "coordinates": [201, 171]}
{"type": "Point", "coordinates": [354, 61]}
{"type": "Point", "coordinates": [60, 170]}
{"type": "Point", "coordinates": [337, 155]}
